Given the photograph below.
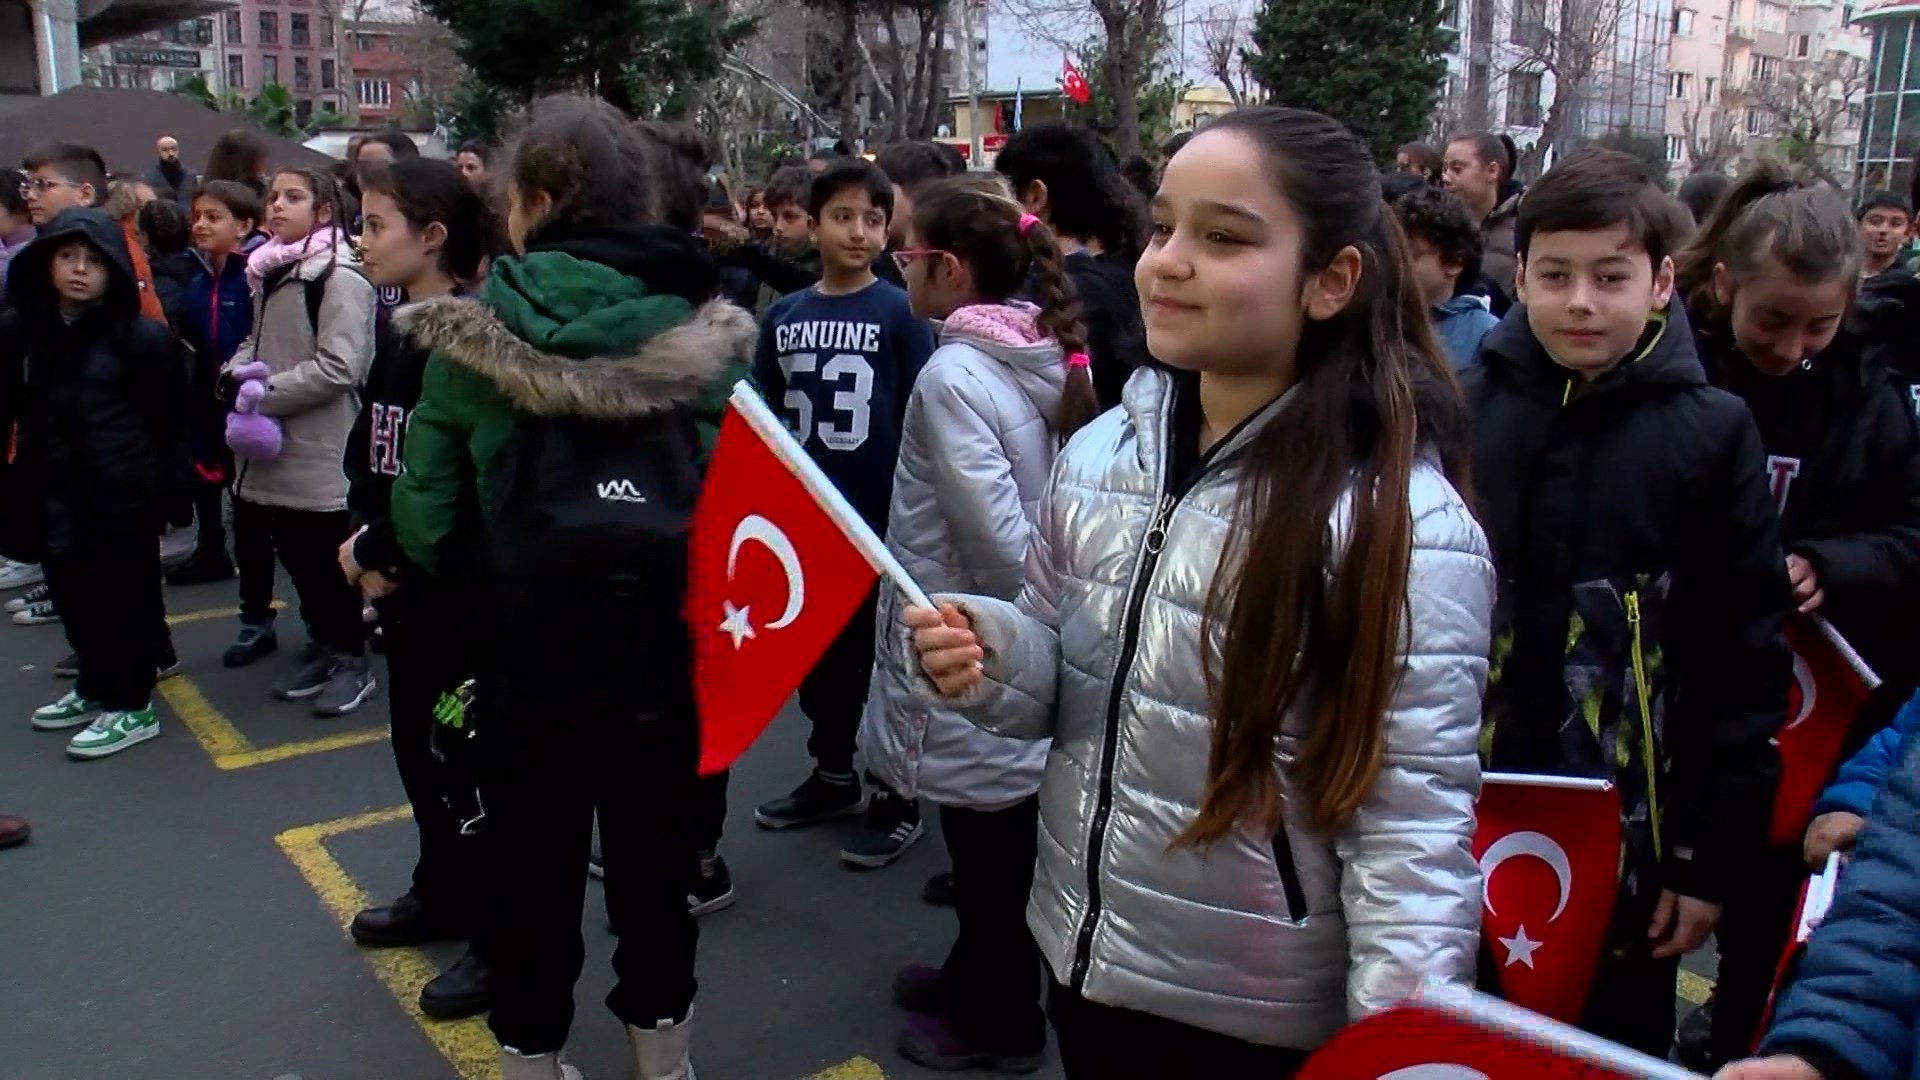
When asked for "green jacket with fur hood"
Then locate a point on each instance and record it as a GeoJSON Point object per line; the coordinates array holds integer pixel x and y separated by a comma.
{"type": "Point", "coordinates": [572, 328]}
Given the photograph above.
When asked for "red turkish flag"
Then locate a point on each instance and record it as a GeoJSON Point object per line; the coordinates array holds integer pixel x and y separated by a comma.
{"type": "Point", "coordinates": [1466, 1036]}
{"type": "Point", "coordinates": [773, 578]}
{"type": "Point", "coordinates": [1830, 684]}
{"type": "Point", "coordinates": [1816, 896]}
{"type": "Point", "coordinates": [1073, 82]}
{"type": "Point", "coordinates": [1549, 852]}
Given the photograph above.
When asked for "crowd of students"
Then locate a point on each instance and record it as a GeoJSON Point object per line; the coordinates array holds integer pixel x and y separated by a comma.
{"type": "Point", "coordinates": [1539, 476]}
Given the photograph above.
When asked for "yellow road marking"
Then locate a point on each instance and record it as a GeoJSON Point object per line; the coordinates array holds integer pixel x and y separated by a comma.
{"type": "Point", "coordinates": [467, 1044]}
{"type": "Point", "coordinates": [1694, 988]}
{"type": "Point", "coordinates": [230, 749]}
{"type": "Point", "coordinates": [212, 613]}
{"type": "Point", "coordinates": [856, 1069]}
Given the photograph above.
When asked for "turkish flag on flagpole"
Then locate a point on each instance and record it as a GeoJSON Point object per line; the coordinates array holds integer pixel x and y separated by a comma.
{"type": "Point", "coordinates": [1073, 82]}
{"type": "Point", "coordinates": [1816, 896]}
{"type": "Point", "coordinates": [1449, 1033]}
{"type": "Point", "coordinates": [1830, 684]}
{"type": "Point", "coordinates": [1549, 853]}
{"type": "Point", "coordinates": [779, 562]}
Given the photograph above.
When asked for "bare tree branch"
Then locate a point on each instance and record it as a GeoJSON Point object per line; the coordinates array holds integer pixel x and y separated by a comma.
{"type": "Point", "coordinates": [1804, 106]}
{"type": "Point", "coordinates": [1223, 43]}
{"type": "Point", "coordinates": [1571, 40]}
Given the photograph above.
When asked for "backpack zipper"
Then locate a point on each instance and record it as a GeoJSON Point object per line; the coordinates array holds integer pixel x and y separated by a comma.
{"type": "Point", "coordinates": [1646, 716]}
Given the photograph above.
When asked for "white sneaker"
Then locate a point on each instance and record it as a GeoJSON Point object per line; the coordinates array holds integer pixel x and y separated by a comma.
{"type": "Point", "coordinates": [517, 1066]}
{"type": "Point", "coordinates": [19, 575]}
{"type": "Point", "coordinates": [664, 1051]}
{"type": "Point", "coordinates": [38, 613]}
{"type": "Point", "coordinates": [177, 544]}
{"type": "Point", "coordinates": [31, 596]}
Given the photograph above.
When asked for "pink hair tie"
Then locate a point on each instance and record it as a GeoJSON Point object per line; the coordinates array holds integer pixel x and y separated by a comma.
{"type": "Point", "coordinates": [1027, 222]}
{"type": "Point", "coordinates": [1079, 359]}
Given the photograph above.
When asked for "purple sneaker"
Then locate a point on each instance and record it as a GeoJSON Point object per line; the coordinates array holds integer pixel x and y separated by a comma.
{"type": "Point", "coordinates": [933, 1043]}
{"type": "Point", "coordinates": [920, 989]}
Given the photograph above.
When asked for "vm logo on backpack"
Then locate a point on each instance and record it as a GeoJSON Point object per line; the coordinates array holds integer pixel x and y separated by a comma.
{"type": "Point", "coordinates": [621, 491]}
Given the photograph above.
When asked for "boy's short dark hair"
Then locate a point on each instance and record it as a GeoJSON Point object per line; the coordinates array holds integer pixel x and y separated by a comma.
{"type": "Point", "coordinates": [1441, 221]}
{"type": "Point", "coordinates": [165, 226]}
{"type": "Point", "coordinates": [789, 184]}
{"type": "Point", "coordinates": [851, 173]}
{"type": "Point", "coordinates": [911, 164]}
{"type": "Point", "coordinates": [240, 199]}
{"type": "Point", "coordinates": [1396, 185]}
{"type": "Point", "coordinates": [479, 148]}
{"type": "Point", "coordinates": [1884, 200]}
{"type": "Point", "coordinates": [10, 197]}
{"type": "Point", "coordinates": [1488, 148]}
{"type": "Point", "coordinates": [80, 164]}
{"type": "Point", "coordinates": [955, 155]}
{"type": "Point", "coordinates": [1596, 189]}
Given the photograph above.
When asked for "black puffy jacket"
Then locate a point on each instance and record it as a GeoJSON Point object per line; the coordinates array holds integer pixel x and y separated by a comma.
{"type": "Point", "coordinates": [104, 395]}
{"type": "Point", "coordinates": [1642, 588]}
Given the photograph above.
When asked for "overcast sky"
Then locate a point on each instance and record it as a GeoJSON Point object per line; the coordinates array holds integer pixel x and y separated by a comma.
{"type": "Point", "coordinates": [1013, 53]}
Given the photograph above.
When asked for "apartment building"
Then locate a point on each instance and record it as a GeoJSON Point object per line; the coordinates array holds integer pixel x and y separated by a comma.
{"type": "Point", "coordinates": [161, 59]}
{"type": "Point", "coordinates": [386, 71]}
{"type": "Point", "coordinates": [1890, 136]}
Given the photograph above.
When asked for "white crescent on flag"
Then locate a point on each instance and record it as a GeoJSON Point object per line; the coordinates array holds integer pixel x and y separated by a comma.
{"type": "Point", "coordinates": [1435, 1072]}
{"type": "Point", "coordinates": [755, 527]}
{"type": "Point", "coordinates": [1802, 678]}
{"type": "Point", "coordinates": [1538, 845]}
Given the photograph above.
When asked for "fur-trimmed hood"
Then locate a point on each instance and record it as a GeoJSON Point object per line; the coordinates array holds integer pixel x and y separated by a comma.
{"type": "Point", "coordinates": [667, 370]}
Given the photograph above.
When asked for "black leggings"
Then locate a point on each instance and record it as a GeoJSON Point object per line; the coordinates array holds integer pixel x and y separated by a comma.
{"type": "Point", "coordinates": [108, 592]}
{"type": "Point", "coordinates": [308, 545]}
{"type": "Point", "coordinates": [1099, 1042]}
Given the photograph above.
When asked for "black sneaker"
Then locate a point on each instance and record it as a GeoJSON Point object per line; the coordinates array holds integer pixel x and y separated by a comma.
{"type": "Point", "coordinates": [892, 825]}
{"type": "Point", "coordinates": [255, 642]}
{"type": "Point", "coordinates": [67, 668]}
{"type": "Point", "coordinates": [201, 570]}
{"type": "Point", "coordinates": [309, 680]}
{"type": "Point", "coordinates": [1693, 1041]}
{"type": "Point", "coordinates": [713, 889]}
{"type": "Point", "coordinates": [817, 799]}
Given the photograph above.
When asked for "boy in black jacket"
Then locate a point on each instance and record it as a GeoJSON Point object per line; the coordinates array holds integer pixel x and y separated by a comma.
{"type": "Point", "coordinates": [1642, 584]}
{"type": "Point", "coordinates": [104, 427]}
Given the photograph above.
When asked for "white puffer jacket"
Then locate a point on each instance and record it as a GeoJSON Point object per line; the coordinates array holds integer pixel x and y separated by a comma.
{"type": "Point", "coordinates": [975, 452]}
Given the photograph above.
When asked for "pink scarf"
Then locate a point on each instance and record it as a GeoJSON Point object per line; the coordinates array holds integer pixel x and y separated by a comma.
{"type": "Point", "coordinates": [275, 254]}
{"type": "Point", "coordinates": [1013, 323]}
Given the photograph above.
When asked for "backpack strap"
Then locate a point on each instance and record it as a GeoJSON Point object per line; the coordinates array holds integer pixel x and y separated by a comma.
{"type": "Point", "coordinates": [316, 291]}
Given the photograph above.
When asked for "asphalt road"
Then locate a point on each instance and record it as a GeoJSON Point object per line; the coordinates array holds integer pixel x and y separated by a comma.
{"type": "Point", "coordinates": [179, 913]}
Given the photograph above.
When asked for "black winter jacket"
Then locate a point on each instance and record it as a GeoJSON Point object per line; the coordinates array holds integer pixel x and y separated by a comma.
{"type": "Point", "coordinates": [377, 445]}
{"type": "Point", "coordinates": [1110, 311]}
{"type": "Point", "coordinates": [1843, 464]}
{"type": "Point", "coordinates": [105, 396]}
{"type": "Point", "coordinates": [1887, 319]}
{"type": "Point", "coordinates": [1642, 588]}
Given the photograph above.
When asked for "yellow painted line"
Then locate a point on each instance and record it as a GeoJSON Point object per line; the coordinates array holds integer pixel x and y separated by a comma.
{"type": "Point", "coordinates": [856, 1069]}
{"type": "Point", "coordinates": [230, 749]}
{"type": "Point", "coordinates": [467, 1044]}
{"type": "Point", "coordinates": [1694, 988]}
{"type": "Point", "coordinates": [186, 617]}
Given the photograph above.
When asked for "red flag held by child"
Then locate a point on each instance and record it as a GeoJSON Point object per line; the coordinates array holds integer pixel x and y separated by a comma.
{"type": "Point", "coordinates": [1830, 684]}
{"type": "Point", "coordinates": [1073, 82]}
{"type": "Point", "coordinates": [1549, 852]}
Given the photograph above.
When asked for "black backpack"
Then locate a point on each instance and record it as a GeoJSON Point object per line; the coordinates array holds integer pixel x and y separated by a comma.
{"type": "Point", "coordinates": [605, 504]}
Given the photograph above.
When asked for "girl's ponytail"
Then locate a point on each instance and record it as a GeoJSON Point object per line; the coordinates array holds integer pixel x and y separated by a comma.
{"type": "Point", "coordinates": [1060, 316]}
{"type": "Point", "coordinates": [1768, 213]}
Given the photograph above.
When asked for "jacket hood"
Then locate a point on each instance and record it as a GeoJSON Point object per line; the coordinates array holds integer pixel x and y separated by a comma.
{"type": "Point", "coordinates": [665, 259]}
{"type": "Point", "coordinates": [1038, 368]}
{"type": "Point", "coordinates": [1505, 210]}
{"type": "Point", "coordinates": [30, 275]}
{"type": "Point", "coordinates": [655, 373]}
{"type": "Point", "coordinates": [1664, 358]}
{"type": "Point", "coordinates": [1457, 305]}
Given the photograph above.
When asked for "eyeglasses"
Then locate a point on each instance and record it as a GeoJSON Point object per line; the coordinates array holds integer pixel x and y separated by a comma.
{"type": "Point", "coordinates": [40, 185]}
{"type": "Point", "coordinates": [905, 257]}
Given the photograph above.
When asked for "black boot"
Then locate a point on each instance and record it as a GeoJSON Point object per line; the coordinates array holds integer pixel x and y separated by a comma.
{"type": "Point", "coordinates": [406, 921]}
{"type": "Point", "coordinates": [461, 991]}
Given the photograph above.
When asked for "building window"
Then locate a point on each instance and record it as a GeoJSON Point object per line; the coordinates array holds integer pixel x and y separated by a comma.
{"type": "Point", "coordinates": [1676, 148]}
{"type": "Point", "coordinates": [1800, 45]}
{"type": "Point", "coordinates": [303, 111]}
{"type": "Point", "coordinates": [327, 74]}
{"type": "Point", "coordinates": [302, 73]}
{"type": "Point", "coordinates": [375, 93]}
{"type": "Point", "coordinates": [232, 20]}
{"type": "Point", "coordinates": [326, 31]}
{"type": "Point", "coordinates": [1713, 85]}
{"type": "Point", "coordinates": [269, 28]}
{"type": "Point", "coordinates": [1762, 68]}
{"type": "Point", "coordinates": [1754, 122]}
{"type": "Point", "coordinates": [363, 42]}
{"type": "Point", "coordinates": [1523, 99]}
{"type": "Point", "coordinates": [299, 30]}
{"type": "Point", "coordinates": [270, 70]}
{"type": "Point", "coordinates": [1683, 22]}
{"type": "Point", "coordinates": [236, 72]}
{"type": "Point", "coordinates": [1773, 18]}
{"type": "Point", "coordinates": [1680, 85]}
{"type": "Point", "coordinates": [1529, 23]}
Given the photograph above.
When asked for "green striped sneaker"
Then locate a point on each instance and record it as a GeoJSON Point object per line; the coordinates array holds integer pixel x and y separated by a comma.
{"type": "Point", "coordinates": [112, 732]}
{"type": "Point", "coordinates": [70, 711]}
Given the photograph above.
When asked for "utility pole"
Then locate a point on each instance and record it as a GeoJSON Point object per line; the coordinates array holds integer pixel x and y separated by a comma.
{"type": "Point", "coordinates": [967, 8]}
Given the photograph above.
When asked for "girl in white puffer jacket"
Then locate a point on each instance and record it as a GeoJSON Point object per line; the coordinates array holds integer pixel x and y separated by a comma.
{"type": "Point", "coordinates": [989, 412]}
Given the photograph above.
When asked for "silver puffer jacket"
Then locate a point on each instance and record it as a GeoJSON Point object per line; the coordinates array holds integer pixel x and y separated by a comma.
{"type": "Point", "coordinates": [1272, 939]}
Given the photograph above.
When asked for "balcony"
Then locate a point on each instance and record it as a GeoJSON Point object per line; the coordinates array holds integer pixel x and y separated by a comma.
{"type": "Point", "coordinates": [1739, 30]}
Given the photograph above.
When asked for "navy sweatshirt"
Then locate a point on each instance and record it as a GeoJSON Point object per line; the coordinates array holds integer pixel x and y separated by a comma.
{"type": "Point", "coordinates": [841, 368]}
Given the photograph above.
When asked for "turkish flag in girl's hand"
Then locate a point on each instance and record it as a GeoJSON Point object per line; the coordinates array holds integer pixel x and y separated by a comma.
{"type": "Point", "coordinates": [774, 577]}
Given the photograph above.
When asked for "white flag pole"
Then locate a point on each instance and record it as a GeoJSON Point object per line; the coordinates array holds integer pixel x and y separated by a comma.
{"type": "Point", "coordinates": [801, 464]}
{"type": "Point", "coordinates": [1496, 1015]}
{"type": "Point", "coordinates": [1569, 783]}
{"type": "Point", "coordinates": [1845, 648]}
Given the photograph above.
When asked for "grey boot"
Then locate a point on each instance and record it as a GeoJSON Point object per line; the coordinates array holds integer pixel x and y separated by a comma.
{"type": "Point", "coordinates": [664, 1051]}
{"type": "Point", "coordinates": [517, 1066]}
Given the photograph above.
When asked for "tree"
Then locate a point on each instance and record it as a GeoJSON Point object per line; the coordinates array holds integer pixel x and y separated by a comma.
{"type": "Point", "coordinates": [273, 111]}
{"type": "Point", "coordinates": [1375, 65]}
{"type": "Point", "coordinates": [1223, 50]}
{"type": "Point", "coordinates": [1570, 42]}
{"type": "Point", "coordinates": [197, 89]}
{"type": "Point", "coordinates": [1132, 39]}
{"type": "Point", "coordinates": [1159, 90]}
{"type": "Point", "coordinates": [1709, 131]}
{"type": "Point", "coordinates": [916, 94]}
{"type": "Point", "coordinates": [1804, 105]}
{"type": "Point", "coordinates": [1651, 150]}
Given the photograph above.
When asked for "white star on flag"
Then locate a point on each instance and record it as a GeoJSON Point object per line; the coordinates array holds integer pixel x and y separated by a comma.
{"type": "Point", "coordinates": [736, 624]}
{"type": "Point", "coordinates": [1519, 949]}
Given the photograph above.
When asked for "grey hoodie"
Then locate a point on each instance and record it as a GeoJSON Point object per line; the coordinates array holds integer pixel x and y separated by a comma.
{"type": "Point", "coordinates": [976, 450]}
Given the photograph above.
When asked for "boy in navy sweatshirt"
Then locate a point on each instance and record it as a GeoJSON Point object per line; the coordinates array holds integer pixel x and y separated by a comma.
{"type": "Point", "coordinates": [840, 358]}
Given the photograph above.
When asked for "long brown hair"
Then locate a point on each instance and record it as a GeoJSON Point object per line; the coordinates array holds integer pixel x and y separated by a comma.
{"type": "Point", "coordinates": [1768, 214]}
{"type": "Point", "coordinates": [974, 219]}
{"type": "Point", "coordinates": [1313, 616]}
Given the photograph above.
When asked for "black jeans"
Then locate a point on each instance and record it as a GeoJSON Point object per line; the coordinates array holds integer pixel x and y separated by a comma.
{"type": "Point", "coordinates": [308, 545]}
{"type": "Point", "coordinates": [710, 811]}
{"type": "Point", "coordinates": [427, 656]}
{"type": "Point", "coordinates": [1755, 926]}
{"type": "Point", "coordinates": [992, 974]}
{"type": "Point", "coordinates": [108, 592]}
{"type": "Point", "coordinates": [573, 723]}
{"type": "Point", "coordinates": [1100, 1042]}
{"type": "Point", "coordinates": [834, 693]}
{"type": "Point", "coordinates": [210, 540]}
